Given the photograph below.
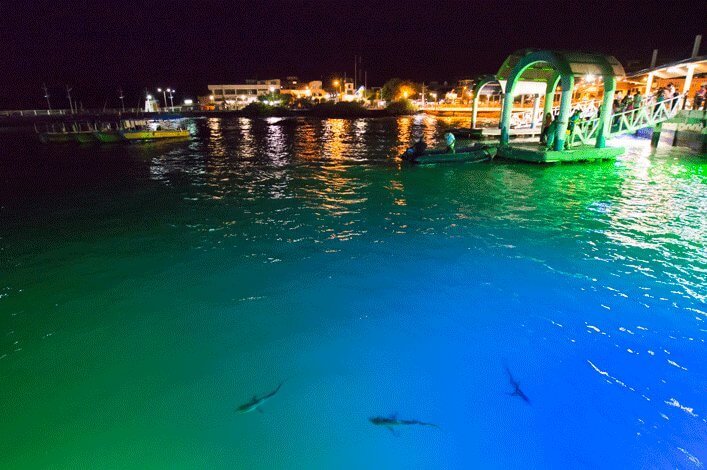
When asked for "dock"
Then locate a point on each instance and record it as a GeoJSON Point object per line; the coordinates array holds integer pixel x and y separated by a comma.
{"type": "Point", "coordinates": [534, 153]}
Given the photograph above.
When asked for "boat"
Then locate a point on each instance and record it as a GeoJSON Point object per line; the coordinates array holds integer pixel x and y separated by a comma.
{"type": "Point", "coordinates": [56, 137]}
{"type": "Point", "coordinates": [108, 136]}
{"type": "Point", "coordinates": [54, 134]}
{"type": "Point", "coordinates": [75, 133]}
{"type": "Point", "coordinates": [83, 133]}
{"type": "Point", "coordinates": [135, 135]}
{"type": "Point", "coordinates": [472, 154]}
{"type": "Point", "coordinates": [109, 133]}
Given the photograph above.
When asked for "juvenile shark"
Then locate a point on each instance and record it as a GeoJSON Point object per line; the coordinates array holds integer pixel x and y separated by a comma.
{"type": "Point", "coordinates": [517, 392]}
{"type": "Point", "coordinates": [255, 402]}
{"type": "Point", "coordinates": [393, 420]}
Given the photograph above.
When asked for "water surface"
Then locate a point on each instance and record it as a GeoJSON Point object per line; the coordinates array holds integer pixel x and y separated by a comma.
{"type": "Point", "coordinates": [147, 291]}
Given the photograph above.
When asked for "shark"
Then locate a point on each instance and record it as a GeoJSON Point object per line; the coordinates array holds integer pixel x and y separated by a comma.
{"type": "Point", "coordinates": [256, 402]}
{"type": "Point", "coordinates": [391, 421]}
{"type": "Point", "coordinates": [517, 392]}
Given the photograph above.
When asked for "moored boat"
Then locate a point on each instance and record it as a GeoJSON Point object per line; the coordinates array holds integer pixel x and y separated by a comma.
{"type": "Point", "coordinates": [108, 136]}
{"type": "Point", "coordinates": [56, 137]}
{"type": "Point", "coordinates": [472, 154]}
{"type": "Point", "coordinates": [148, 134]}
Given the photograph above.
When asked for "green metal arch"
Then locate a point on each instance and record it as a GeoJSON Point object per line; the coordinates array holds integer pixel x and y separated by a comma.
{"type": "Point", "coordinates": [482, 82]}
{"type": "Point", "coordinates": [565, 75]}
{"type": "Point", "coordinates": [559, 63]}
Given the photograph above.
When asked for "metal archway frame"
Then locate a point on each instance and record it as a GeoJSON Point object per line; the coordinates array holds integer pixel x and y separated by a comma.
{"type": "Point", "coordinates": [478, 86]}
{"type": "Point", "coordinates": [566, 66]}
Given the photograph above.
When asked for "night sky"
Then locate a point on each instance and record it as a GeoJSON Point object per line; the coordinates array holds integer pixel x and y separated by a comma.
{"type": "Point", "coordinates": [98, 46]}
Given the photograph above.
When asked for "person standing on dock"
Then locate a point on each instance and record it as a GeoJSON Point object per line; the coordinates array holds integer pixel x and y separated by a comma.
{"type": "Point", "coordinates": [546, 127]}
{"type": "Point", "coordinates": [700, 98]}
{"type": "Point", "coordinates": [571, 123]}
{"type": "Point", "coordinates": [551, 131]}
{"type": "Point", "coordinates": [451, 141]}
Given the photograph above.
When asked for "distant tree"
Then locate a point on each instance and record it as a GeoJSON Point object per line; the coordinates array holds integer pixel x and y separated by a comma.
{"type": "Point", "coordinates": [403, 106]}
{"type": "Point", "coordinates": [389, 89]}
{"type": "Point", "coordinates": [396, 88]}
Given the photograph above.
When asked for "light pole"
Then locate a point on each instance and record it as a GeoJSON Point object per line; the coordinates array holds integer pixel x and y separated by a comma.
{"type": "Point", "coordinates": [337, 84]}
{"type": "Point", "coordinates": [46, 95]}
{"type": "Point", "coordinates": [164, 95]}
{"type": "Point", "coordinates": [68, 95]}
{"type": "Point", "coordinates": [121, 96]}
{"type": "Point", "coordinates": [171, 97]}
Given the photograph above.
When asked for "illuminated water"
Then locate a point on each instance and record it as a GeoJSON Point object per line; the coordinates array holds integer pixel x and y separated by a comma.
{"type": "Point", "coordinates": [147, 291]}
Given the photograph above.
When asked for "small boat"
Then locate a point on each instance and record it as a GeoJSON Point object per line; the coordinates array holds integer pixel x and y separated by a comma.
{"type": "Point", "coordinates": [83, 133]}
{"type": "Point", "coordinates": [474, 154]}
{"type": "Point", "coordinates": [55, 134]}
{"type": "Point", "coordinates": [148, 134]}
{"type": "Point", "coordinates": [53, 137]}
{"type": "Point", "coordinates": [108, 136]}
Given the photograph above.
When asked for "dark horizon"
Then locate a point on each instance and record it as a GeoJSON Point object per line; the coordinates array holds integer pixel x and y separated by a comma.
{"type": "Point", "coordinates": [136, 45]}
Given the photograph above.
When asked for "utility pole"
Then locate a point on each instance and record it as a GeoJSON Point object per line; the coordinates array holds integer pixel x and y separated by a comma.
{"type": "Point", "coordinates": [355, 70]}
{"type": "Point", "coordinates": [68, 95]}
{"type": "Point", "coordinates": [122, 98]}
{"type": "Point", "coordinates": [46, 95]}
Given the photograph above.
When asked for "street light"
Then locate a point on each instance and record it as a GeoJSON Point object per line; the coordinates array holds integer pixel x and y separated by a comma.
{"type": "Point", "coordinates": [164, 95]}
{"type": "Point", "coordinates": [337, 84]}
{"type": "Point", "coordinates": [171, 96]}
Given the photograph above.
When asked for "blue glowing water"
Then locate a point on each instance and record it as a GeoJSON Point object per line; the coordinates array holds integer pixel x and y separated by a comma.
{"type": "Point", "coordinates": [147, 291]}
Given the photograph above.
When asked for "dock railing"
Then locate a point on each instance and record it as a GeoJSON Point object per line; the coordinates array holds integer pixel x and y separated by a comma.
{"type": "Point", "coordinates": [629, 121]}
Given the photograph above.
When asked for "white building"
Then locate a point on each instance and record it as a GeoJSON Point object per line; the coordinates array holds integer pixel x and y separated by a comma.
{"type": "Point", "coordinates": [238, 95]}
{"type": "Point", "coordinates": [312, 90]}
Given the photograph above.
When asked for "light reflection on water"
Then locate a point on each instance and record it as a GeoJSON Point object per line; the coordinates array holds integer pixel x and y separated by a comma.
{"type": "Point", "coordinates": [196, 274]}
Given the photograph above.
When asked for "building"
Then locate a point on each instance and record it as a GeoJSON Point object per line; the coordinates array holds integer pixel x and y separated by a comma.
{"type": "Point", "coordinates": [236, 96]}
{"type": "Point", "coordinates": [312, 90]}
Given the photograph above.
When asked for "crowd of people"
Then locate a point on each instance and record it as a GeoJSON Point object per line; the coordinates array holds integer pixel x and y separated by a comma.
{"type": "Point", "coordinates": [632, 100]}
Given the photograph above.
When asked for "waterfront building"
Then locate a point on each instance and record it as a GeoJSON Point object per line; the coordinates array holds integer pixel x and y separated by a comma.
{"type": "Point", "coordinates": [236, 96]}
{"type": "Point", "coordinates": [310, 90]}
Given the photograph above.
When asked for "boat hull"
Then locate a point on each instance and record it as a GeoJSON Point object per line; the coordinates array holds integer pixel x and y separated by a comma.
{"type": "Point", "coordinates": [108, 137]}
{"type": "Point", "coordinates": [84, 137]}
{"type": "Point", "coordinates": [56, 138]}
{"type": "Point", "coordinates": [463, 155]}
{"type": "Point", "coordinates": [133, 136]}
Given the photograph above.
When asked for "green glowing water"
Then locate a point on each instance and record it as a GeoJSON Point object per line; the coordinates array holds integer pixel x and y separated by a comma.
{"type": "Point", "coordinates": [147, 291]}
